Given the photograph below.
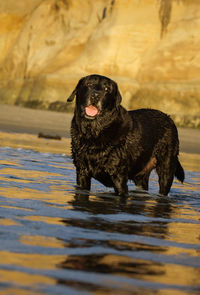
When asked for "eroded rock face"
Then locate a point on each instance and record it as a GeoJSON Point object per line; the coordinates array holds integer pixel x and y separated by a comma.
{"type": "Point", "coordinates": [47, 45]}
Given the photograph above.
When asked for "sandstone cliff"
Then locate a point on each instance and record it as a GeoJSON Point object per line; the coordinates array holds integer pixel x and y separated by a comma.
{"type": "Point", "coordinates": [150, 47]}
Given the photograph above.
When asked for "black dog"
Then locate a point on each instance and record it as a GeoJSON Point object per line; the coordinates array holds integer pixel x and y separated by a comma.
{"type": "Point", "coordinates": [113, 145]}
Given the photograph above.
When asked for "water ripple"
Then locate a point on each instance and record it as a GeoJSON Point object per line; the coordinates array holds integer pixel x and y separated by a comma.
{"type": "Point", "coordinates": [54, 240]}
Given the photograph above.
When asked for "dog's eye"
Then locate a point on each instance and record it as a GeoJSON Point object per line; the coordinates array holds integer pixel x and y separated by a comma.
{"type": "Point", "coordinates": [89, 84]}
{"type": "Point", "coordinates": [106, 88]}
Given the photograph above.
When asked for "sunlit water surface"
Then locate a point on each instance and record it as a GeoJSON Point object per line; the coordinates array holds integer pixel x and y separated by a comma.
{"type": "Point", "coordinates": [55, 242]}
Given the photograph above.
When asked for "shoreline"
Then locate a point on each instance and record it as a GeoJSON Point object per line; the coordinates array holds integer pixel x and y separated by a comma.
{"type": "Point", "coordinates": [189, 161]}
{"type": "Point", "coordinates": [20, 127]}
{"type": "Point", "coordinates": [20, 120]}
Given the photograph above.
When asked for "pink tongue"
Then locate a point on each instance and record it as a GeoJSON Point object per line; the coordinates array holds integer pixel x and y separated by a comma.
{"type": "Point", "coordinates": [91, 111]}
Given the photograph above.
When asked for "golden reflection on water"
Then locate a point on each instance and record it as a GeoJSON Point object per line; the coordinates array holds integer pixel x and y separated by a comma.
{"type": "Point", "coordinates": [142, 292]}
{"type": "Point", "coordinates": [179, 224]}
{"type": "Point", "coordinates": [35, 261]}
{"type": "Point", "coordinates": [18, 208]}
{"type": "Point", "coordinates": [152, 272]}
{"type": "Point", "coordinates": [46, 219]}
{"type": "Point", "coordinates": [24, 279]}
{"type": "Point", "coordinates": [8, 221]}
{"type": "Point", "coordinates": [23, 176]}
{"type": "Point", "coordinates": [41, 241]}
{"type": "Point", "coordinates": [19, 291]}
{"type": "Point", "coordinates": [57, 196]}
{"type": "Point", "coordinates": [10, 163]}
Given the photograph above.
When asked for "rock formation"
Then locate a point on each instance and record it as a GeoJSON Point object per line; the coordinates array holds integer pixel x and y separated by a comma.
{"type": "Point", "coordinates": [150, 47]}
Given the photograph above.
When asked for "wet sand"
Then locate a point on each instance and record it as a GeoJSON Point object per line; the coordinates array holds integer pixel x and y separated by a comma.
{"type": "Point", "coordinates": [19, 128]}
{"type": "Point", "coordinates": [23, 120]}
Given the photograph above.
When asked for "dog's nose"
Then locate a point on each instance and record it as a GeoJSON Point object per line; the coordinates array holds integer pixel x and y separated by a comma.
{"type": "Point", "coordinates": [95, 95]}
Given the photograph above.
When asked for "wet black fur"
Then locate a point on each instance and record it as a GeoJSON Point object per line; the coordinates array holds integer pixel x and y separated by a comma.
{"type": "Point", "coordinates": [117, 145]}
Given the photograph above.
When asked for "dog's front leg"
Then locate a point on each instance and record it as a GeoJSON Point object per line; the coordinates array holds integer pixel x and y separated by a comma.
{"type": "Point", "coordinates": [120, 185]}
{"type": "Point", "coordinates": [83, 179]}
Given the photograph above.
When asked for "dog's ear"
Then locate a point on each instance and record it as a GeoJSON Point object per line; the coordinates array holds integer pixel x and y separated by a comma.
{"type": "Point", "coordinates": [72, 96]}
{"type": "Point", "coordinates": [74, 92]}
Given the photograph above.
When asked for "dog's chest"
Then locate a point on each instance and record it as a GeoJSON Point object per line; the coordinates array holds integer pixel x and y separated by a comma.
{"type": "Point", "coordinates": [101, 159]}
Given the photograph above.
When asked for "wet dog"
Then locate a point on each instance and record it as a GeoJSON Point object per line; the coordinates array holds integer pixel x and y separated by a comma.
{"type": "Point", "coordinates": [113, 145]}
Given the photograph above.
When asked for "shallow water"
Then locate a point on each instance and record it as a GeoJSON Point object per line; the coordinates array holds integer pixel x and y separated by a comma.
{"type": "Point", "coordinates": [55, 242]}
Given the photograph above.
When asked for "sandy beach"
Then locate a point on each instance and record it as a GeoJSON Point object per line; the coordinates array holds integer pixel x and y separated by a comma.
{"type": "Point", "coordinates": [19, 128]}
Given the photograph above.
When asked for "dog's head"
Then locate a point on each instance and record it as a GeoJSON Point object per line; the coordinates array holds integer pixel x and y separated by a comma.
{"type": "Point", "coordinates": [95, 95]}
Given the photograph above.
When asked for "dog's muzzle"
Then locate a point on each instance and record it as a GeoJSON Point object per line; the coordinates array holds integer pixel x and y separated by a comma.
{"type": "Point", "coordinates": [93, 108]}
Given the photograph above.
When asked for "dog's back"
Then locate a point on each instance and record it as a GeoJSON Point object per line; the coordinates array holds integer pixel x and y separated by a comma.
{"type": "Point", "coordinates": [153, 120]}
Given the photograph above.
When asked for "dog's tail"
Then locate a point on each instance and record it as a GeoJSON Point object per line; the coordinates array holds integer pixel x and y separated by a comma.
{"type": "Point", "coordinates": [179, 173]}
